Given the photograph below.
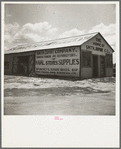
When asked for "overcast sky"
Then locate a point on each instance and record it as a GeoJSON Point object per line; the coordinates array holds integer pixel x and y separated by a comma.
{"type": "Point", "coordinates": [38, 22]}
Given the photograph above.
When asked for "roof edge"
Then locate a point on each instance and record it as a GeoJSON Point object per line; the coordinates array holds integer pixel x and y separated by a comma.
{"type": "Point", "coordinates": [106, 42]}
{"type": "Point", "coordinates": [103, 39]}
{"type": "Point", "coordinates": [53, 40]}
{"type": "Point", "coordinates": [91, 37]}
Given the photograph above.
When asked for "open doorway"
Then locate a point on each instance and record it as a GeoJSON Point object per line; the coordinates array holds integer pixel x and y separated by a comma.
{"type": "Point", "coordinates": [23, 65]}
{"type": "Point", "coordinates": [95, 66]}
{"type": "Point", "coordinates": [102, 66]}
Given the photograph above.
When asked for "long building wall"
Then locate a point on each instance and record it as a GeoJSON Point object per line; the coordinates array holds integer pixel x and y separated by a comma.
{"type": "Point", "coordinates": [71, 64]}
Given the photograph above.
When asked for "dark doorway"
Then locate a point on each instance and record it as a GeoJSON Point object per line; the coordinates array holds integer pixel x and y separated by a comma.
{"type": "Point", "coordinates": [95, 66]}
{"type": "Point", "coordinates": [23, 65]}
{"type": "Point", "coordinates": [102, 66]}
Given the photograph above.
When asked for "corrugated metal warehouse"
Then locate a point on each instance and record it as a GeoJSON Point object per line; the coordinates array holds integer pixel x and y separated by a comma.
{"type": "Point", "coordinates": [84, 56]}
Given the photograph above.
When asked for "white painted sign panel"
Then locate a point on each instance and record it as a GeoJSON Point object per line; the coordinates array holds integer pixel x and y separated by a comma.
{"type": "Point", "coordinates": [60, 62]}
{"type": "Point", "coordinates": [97, 45]}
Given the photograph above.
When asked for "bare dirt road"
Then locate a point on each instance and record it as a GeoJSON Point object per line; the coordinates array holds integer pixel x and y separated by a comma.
{"type": "Point", "coordinates": [47, 96]}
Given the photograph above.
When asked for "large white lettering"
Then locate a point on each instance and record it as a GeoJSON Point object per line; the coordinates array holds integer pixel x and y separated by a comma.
{"type": "Point", "coordinates": [63, 61]}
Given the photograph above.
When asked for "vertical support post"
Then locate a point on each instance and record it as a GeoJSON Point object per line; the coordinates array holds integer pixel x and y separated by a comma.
{"type": "Point", "coordinates": [31, 64]}
{"type": "Point", "coordinates": [92, 63]}
{"type": "Point", "coordinates": [15, 64]}
{"type": "Point", "coordinates": [98, 65]}
{"type": "Point", "coordinates": [80, 64]}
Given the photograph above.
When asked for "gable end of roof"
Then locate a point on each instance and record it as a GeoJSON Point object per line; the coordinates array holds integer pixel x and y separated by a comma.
{"type": "Point", "coordinates": [106, 42]}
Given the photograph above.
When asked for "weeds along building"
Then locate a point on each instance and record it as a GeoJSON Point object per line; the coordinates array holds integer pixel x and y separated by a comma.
{"type": "Point", "coordinates": [84, 56]}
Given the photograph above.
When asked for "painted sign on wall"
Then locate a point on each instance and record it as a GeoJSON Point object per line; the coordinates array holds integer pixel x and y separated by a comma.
{"type": "Point", "coordinates": [97, 45]}
{"type": "Point", "coordinates": [61, 62]}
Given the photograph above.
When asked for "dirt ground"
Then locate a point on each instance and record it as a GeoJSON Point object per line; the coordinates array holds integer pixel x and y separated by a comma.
{"type": "Point", "coordinates": [48, 96]}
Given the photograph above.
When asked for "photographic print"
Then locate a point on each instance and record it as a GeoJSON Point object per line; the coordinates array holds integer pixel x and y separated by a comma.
{"type": "Point", "coordinates": [60, 60]}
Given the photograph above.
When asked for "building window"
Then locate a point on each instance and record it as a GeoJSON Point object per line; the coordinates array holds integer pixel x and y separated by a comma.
{"type": "Point", "coordinates": [6, 65]}
{"type": "Point", "coordinates": [86, 58]}
{"type": "Point", "coordinates": [109, 60]}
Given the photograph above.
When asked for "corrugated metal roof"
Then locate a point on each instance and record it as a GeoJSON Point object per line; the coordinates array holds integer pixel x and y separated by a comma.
{"type": "Point", "coordinates": [58, 43]}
